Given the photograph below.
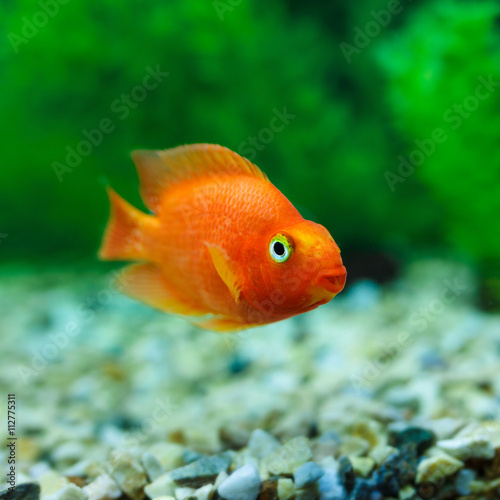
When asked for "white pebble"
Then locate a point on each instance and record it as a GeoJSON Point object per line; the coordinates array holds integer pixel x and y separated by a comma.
{"type": "Point", "coordinates": [465, 448]}
{"type": "Point", "coordinates": [152, 466]}
{"type": "Point", "coordinates": [103, 488]}
{"type": "Point", "coordinates": [205, 492]}
{"type": "Point", "coordinates": [69, 492]}
{"type": "Point", "coordinates": [162, 486]}
{"type": "Point", "coordinates": [242, 484]}
{"type": "Point", "coordinates": [182, 493]}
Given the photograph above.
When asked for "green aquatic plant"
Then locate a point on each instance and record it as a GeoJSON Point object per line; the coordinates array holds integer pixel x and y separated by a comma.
{"type": "Point", "coordinates": [443, 75]}
{"type": "Point", "coordinates": [283, 95]}
{"type": "Point", "coordinates": [96, 81]}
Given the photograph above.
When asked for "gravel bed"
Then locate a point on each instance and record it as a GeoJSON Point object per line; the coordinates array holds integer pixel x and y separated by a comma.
{"type": "Point", "coordinates": [387, 393]}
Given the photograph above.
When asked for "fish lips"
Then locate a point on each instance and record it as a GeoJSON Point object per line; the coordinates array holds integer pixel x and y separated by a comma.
{"type": "Point", "coordinates": [332, 280]}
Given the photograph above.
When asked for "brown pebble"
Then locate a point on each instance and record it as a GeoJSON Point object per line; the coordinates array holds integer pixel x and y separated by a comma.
{"type": "Point", "coordinates": [269, 490]}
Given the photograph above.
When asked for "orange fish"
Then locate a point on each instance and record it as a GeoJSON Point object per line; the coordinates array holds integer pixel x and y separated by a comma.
{"type": "Point", "coordinates": [222, 246]}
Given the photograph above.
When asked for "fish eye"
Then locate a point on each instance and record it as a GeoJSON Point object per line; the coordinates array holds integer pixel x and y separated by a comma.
{"type": "Point", "coordinates": [280, 248]}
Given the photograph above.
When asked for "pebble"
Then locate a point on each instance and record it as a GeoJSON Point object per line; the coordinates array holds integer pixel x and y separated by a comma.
{"type": "Point", "coordinates": [325, 446]}
{"type": "Point", "coordinates": [69, 492]}
{"type": "Point", "coordinates": [261, 443]}
{"type": "Point", "coordinates": [422, 439]}
{"type": "Point", "coordinates": [353, 446]}
{"type": "Point", "coordinates": [242, 484]}
{"type": "Point", "coordinates": [128, 474]}
{"type": "Point", "coordinates": [269, 489]}
{"type": "Point", "coordinates": [363, 490]}
{"type": "Point", "coordinates": [26, 491]}
{"type": "Point", "coordinates": [162, 486]}
{"type": "Point", "coordinates": [289, 457]}
{"type": "Point", "coordinates": [223, 475]}
{"type": "Point", "coordinates": [69, 452]}
{"type": "Point", "coordinates": [307, 474]}
{"type": "Point", "coordinates": [486, 487]}
{"type": "Point", "coordinates": [103, 488]}
{"type": "Point", "coordinates": [51, 482]}
{"type": "Point", "coordinates": [169, 455]}
{"type": "Point", "coordinates": [443, 428]}
{"type": "Point", "coordinates": [184, 492]}
{"type": "Point", "coordinates": [330, 484]}
{"type": "Point", "coordinates": [346, 473]}
{"type": "Point", "coordinates": [203, 471]}
{"type": "Point", "coordinates": [190, 456]}
{"type": "Point", "coordinates": [465, 448]}
{"type": "Point", "coordinates": [369, 430]}
{"type": "Point", "coordinates": [436, 468]}
{"type": "Point", "coordinates": [79, 469]}
{"type": "Point", "coordinates": [407, 493]}
{"type": "Point", "coordinates": [204, 493]}
{"type": "Point", "coordinates": [309, 493]}
{"type": "Point", "coordinates": [28, 449]}
{"type": "Point", "coordinates": [464, 480]}
{"type": "Point", "coordinates": [234, 436]}
{"type": "Point", "coordinates": [152, 466]}
{"type": "Point", "coordinates": [242, 458]}
{"type": "Point", "coordinates": [362, 466]}
{"type": "Point", "coordinates": [397, 471]}
{"type": "Point", "coordinates": [381, 453]}
{"type": "Point", "coordinates": [286, 489]}
{"type": "Point", "coordinates": [400, 397]}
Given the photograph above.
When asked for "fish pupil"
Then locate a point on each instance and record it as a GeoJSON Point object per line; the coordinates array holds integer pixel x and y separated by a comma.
{"type": "Point", "coordinates": [279, 248]}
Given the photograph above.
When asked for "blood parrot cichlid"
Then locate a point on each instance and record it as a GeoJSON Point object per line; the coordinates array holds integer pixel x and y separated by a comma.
{"type": "Point", "coordinates": [222, 246]}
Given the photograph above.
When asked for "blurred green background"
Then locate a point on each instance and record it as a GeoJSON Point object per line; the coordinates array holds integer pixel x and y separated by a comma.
{"type": "Point", "coordinates": [392, 138]}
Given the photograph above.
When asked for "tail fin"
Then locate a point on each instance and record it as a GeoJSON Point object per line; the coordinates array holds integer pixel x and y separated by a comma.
{"type": "Point", "coordinates": [124, 235]}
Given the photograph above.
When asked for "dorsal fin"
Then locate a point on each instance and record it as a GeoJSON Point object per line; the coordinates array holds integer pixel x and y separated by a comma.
{"type": "Point", "coordinates": [158, 169]}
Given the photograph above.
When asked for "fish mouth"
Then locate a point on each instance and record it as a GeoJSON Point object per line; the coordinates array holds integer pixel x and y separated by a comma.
{"type": "Point", "coordinates": [333, 280]}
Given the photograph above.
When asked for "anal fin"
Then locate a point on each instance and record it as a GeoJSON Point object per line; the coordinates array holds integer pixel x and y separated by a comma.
{"type": "Point", "coordinates": [146, 283]}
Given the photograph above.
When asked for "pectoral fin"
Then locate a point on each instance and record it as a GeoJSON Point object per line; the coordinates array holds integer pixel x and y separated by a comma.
{"type": "Point", "coordinates": [227, 271]}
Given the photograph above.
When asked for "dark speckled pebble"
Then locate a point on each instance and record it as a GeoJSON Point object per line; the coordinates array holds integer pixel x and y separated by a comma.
{"type": "Point", "coordinates": [364, 489]}
{"type": "Point", "coordinates": [396, 472]}
{"type": "Point", "coordinates": [346, 473]}
{"type": "Point", "coordinates": [26, 491]}
{"type": "Point", "coordinates": [422, 439]}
